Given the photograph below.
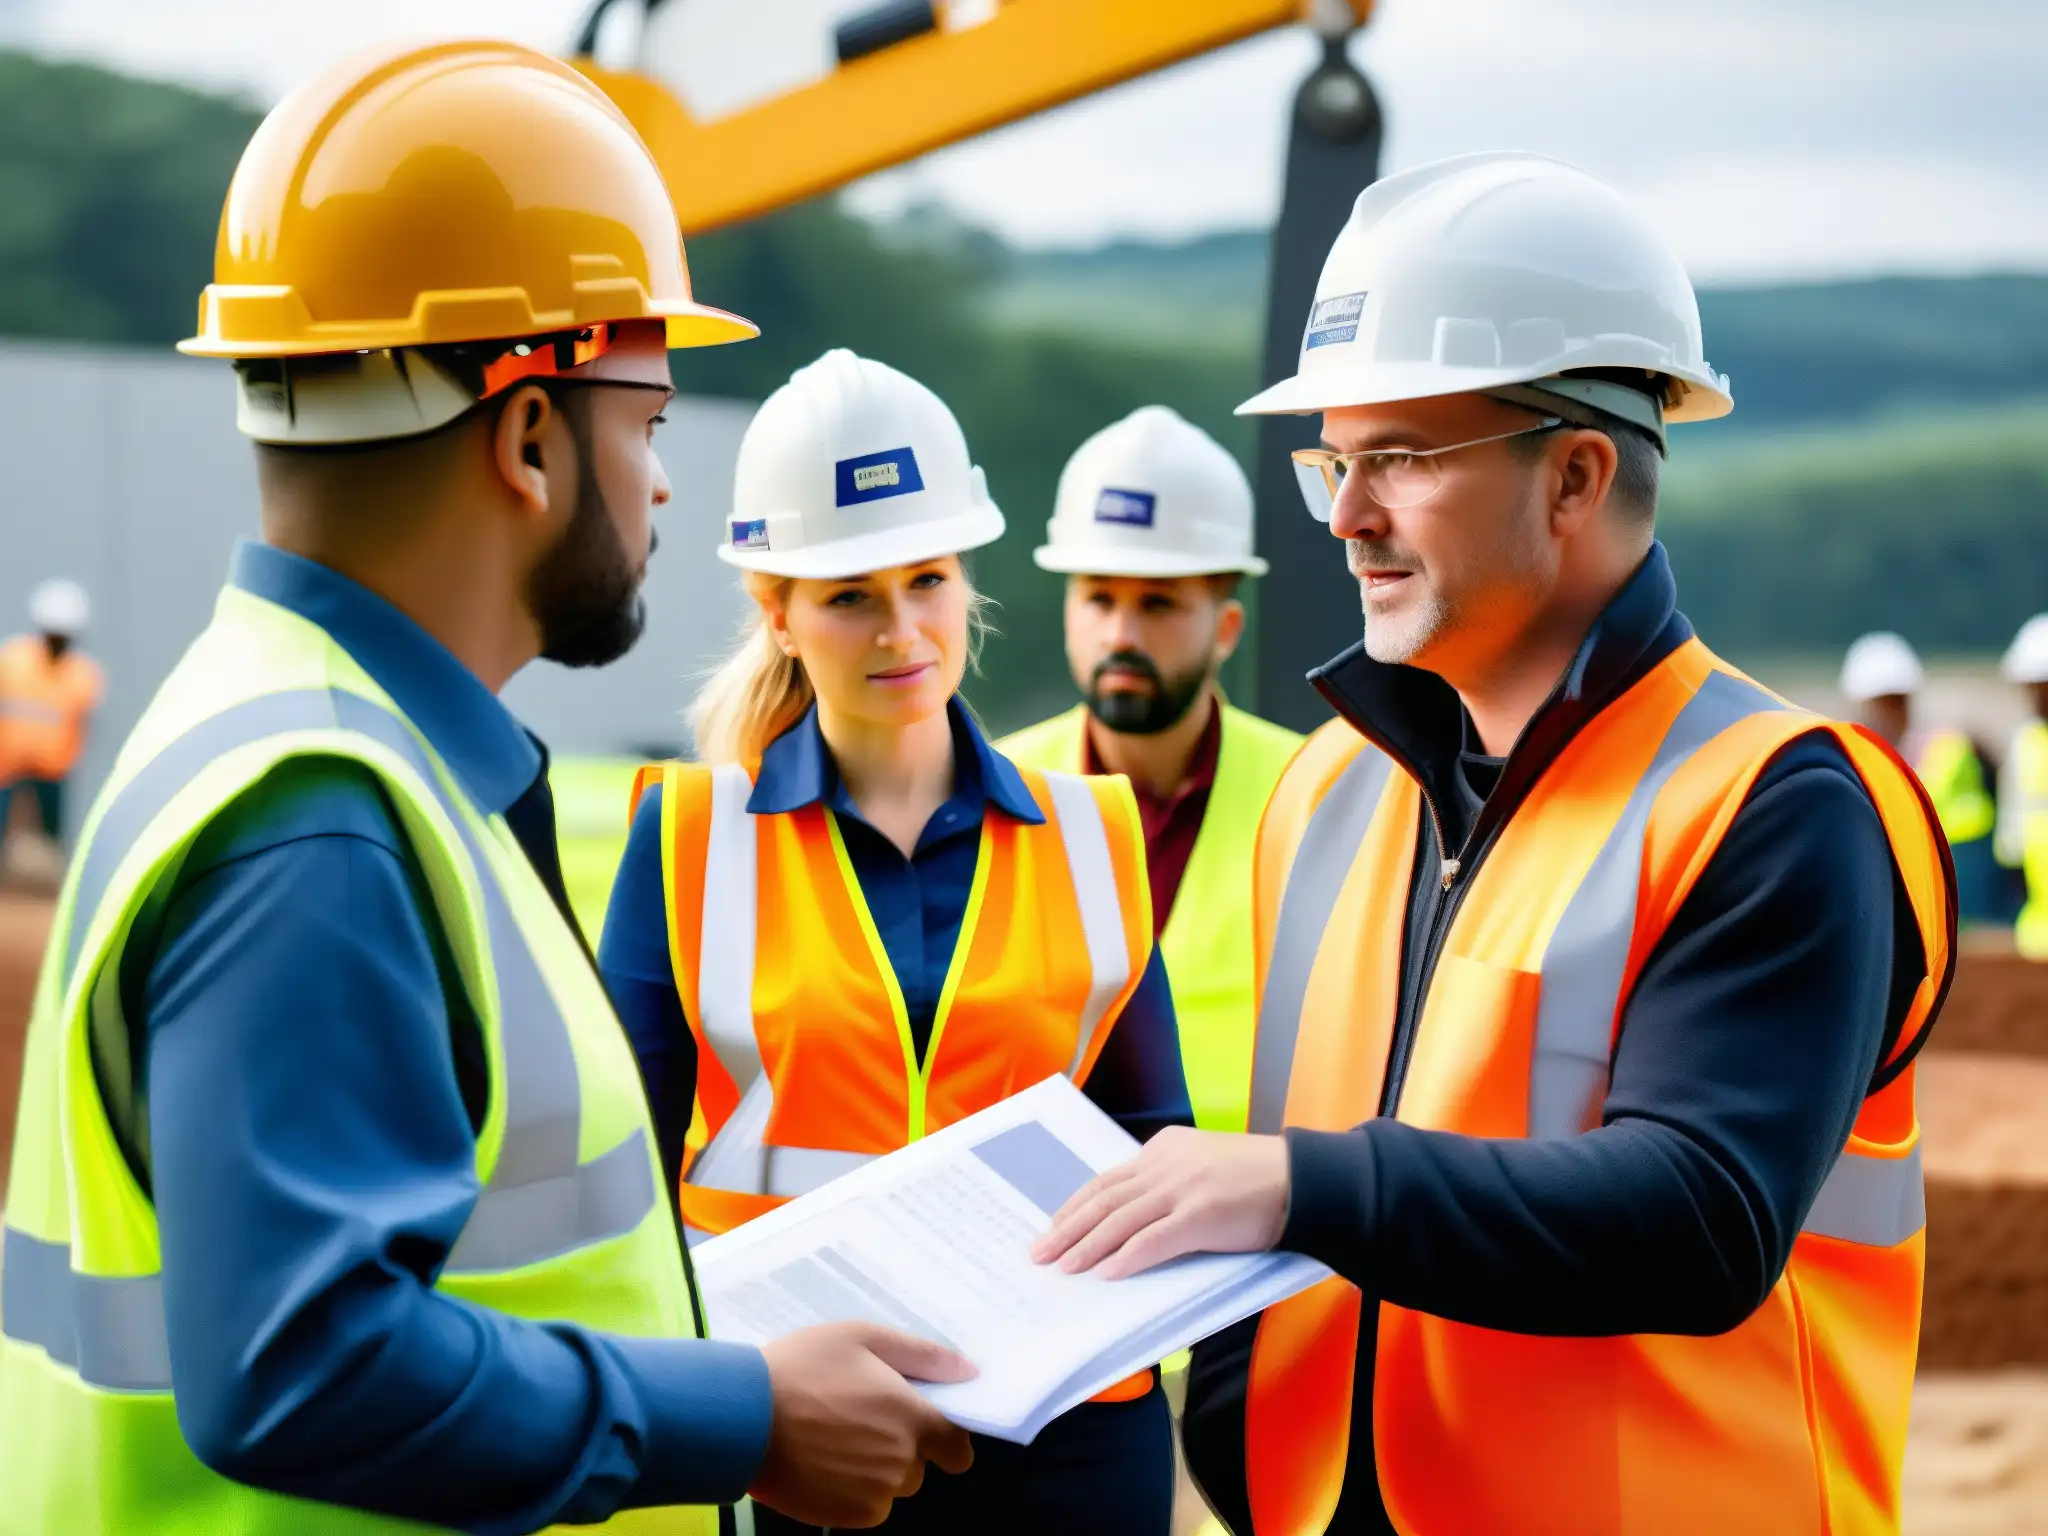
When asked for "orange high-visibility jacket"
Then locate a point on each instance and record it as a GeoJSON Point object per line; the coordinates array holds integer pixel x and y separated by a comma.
{"type": "Point", "coordinates": [44, 706]}
{"type": "Point", "coordinates": [1793, 1422]}
{"type": "Point", "coordinates": [806, 1066]}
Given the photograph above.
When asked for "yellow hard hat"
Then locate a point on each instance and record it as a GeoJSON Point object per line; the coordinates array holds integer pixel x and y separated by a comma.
{"type": "Point", "coordinates": [440, 193]}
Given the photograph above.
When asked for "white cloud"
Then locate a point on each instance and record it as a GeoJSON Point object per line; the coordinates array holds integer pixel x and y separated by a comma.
{"type": "Point", "coordinates": [1771, 138]}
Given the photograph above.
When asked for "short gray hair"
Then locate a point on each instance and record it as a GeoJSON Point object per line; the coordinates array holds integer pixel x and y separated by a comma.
{"type": "Point", "coordinates": [1638, 466]}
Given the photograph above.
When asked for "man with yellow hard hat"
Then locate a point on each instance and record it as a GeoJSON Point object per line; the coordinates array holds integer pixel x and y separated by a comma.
{"type": "Point", "coordinates": [1152, 527]}
{"type": "Point", "coordinates": [334, 1203]}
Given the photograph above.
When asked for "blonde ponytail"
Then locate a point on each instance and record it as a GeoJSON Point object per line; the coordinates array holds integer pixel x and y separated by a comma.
{"type": "Point", "coordinates": [757, 693]}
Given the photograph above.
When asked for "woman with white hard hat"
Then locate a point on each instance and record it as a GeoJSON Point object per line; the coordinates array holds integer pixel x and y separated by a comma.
{"type": "Point", "coordinates": [853, 922]}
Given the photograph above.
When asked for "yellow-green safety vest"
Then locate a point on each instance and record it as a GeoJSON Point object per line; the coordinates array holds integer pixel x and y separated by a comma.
{"type": "Point", "coordinates": [589, 831]}
{"type": "Point", "coordinates": [568, 1224]}
{"type": "Point", "coordinates": [2022, 836]}
{"type": "Point", "coordinates": [1954, 778]}
{"type": "Point", "coordinates": [1207, 945]}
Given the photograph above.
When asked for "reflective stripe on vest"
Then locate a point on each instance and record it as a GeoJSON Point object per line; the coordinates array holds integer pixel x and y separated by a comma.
{"type": "Point", "coordinates": [738, 1159]}
{"type": "Point", "coordinates": [110, 1331]}
{"type": "Point", "coordinates": [1328, 845]}
{"type": "Point", "coordinates": [539, 1201]}
{"type": "Point", "coordinates": [1207, 943]}
{"type": "Point", "coordinates": [1878, 1201]}
{"type": "Point", "coordinates": [26, 709]}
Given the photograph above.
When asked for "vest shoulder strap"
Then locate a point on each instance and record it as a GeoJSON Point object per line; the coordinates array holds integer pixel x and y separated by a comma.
{"type": "Point", "coordinates": [1317, 764]}
{"type": "Point", "coordinates": [1050, 745]}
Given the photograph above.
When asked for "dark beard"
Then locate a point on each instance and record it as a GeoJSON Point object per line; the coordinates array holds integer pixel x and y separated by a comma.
{"type": "Point", "coordinates": [585, 595]}
{"type": "Point", "coordinates": [1143, 714]}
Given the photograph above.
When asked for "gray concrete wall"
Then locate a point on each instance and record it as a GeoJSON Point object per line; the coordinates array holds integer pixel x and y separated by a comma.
{"type": "Point", "coordinates": [123, 470]}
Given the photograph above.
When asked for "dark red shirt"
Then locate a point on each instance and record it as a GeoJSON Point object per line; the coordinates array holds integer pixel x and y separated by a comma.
{"type": "Point", "coordinates": [1171, 821]}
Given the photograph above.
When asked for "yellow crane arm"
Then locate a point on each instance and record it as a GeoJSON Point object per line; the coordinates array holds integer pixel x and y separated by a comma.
{"type": "Point", "coordinates": [922, 94]}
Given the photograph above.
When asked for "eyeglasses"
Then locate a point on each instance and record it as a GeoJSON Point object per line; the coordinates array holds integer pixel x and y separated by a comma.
{"type": "Point", "coordinates": [1393, 477]}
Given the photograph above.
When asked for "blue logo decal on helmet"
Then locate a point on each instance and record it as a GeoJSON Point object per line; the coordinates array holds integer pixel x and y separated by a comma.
{"type": "Point", "coordinates": [750, 533]}
{"type": "Point", "coordinates": [1133, 509]}
{"type": "Point", "coordinates": [876, 477]}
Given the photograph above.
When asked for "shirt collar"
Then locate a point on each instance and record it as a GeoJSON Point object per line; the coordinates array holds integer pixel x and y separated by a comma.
{"type": "Point", "coordinates": [797, 770]}
{"type": "Point", "coordinates": [494, 756]}
{"type": "Point", "coordinates": [1418, 718]}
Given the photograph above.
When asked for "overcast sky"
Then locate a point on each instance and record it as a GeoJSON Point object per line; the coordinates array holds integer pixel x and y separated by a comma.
{"type": "Point", "coordinates": [1771, 138]}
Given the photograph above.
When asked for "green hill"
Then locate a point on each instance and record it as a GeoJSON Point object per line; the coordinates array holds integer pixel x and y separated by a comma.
{"type": "Point", "coordinates": [1935, 525]}
{"type": "Point", "coordinates": [1798, 354]}
{"type": "Point", "coordinates": [110, 194]}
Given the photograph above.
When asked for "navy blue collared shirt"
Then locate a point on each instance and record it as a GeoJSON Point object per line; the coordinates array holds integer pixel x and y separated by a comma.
{"type": "Point", "coordinates": [917, 904]}
{"type": "Point", "coordinates": [308, 1082]}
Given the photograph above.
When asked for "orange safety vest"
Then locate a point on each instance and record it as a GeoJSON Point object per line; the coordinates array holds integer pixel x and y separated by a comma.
{"type": "Point", "coordinates": [807, 1068]}
{"type": "Point", "coordinates": [1794, 1421]}
{"type": "Point", "coordinates": [44, 705]}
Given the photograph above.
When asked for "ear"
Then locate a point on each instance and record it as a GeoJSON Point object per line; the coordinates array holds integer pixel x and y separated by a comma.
{"type": "Point", "coordinates": [1229, 629]}
{"type": "Point", "coordinates": [775, 614]}
{"type": "Point", "coordinates": [519, 447]}
{"type": "Point", "coordinates": [1584, 465]}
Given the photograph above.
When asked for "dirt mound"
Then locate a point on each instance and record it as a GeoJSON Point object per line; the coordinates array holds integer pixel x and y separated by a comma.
{"type": "Point", "coordinates": [24, 924]}
{"type": "Point", "coordinates": [1998, 1002]}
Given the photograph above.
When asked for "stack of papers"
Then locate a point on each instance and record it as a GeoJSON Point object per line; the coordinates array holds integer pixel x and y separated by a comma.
{"type": "Point", "coordinates": [935, 1240]}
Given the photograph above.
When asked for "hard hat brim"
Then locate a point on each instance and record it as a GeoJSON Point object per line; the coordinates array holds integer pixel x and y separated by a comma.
{"type": "Point", "coordinates": [841, 559]}
{"type": "Point", "coordinates": [1162, 565]}
{"type": "Point", "coordinates": [283, 328]}
{"type": "Point", "coordinates": [1703, 398]}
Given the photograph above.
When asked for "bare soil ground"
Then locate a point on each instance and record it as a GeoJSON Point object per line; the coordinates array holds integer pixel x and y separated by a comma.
{"type": "Point", "coordinates": [1977, 1460]}
{"type": "Point", "coordinates": [24, 923]}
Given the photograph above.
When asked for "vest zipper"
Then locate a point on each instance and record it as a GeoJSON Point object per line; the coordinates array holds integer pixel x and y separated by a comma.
{"type": "Point", "coordinates": [1443, 912]}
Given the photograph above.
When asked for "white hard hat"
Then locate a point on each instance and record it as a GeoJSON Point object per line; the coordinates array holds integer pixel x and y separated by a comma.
{"type": "Point", "coordinates": [853, 467]}
{"type": "Point", "coordinates": [1153, 495]}
{"type": "Point", "coordinates": [1495, 273]}
{"type": "Point", "coordinates": [2026, 659]}
{"type": "Point", "coordinates": [1879, 665]}
{"type": "Point", "coordinates": [59, 608]}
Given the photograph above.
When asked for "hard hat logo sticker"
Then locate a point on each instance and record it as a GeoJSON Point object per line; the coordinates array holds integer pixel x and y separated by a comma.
{"type": "Point", "coordinates": [1333, 320]}
{"type": "Point", "coordinates": [1133, 509]}
{"type": "Point", "coordinates": [876, 476]}
{"type": "Point", "coordinates": [750, 533]}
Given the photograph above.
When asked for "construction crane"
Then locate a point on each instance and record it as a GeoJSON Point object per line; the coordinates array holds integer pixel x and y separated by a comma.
{"type": "Point", "coordinates": [907, 77]}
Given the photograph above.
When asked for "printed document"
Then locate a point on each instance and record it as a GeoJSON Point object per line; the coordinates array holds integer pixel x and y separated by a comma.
{"type": "Point", "coordinates": [935, 1240]}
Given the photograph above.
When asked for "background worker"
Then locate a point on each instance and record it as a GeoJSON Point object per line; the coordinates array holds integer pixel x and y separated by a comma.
{"type": "Point", "coordinates": [1152, 527]}
{"type": "Point", "coordinates": [1592, 971]}
{"type": "Point", "coordinates": [855, 922]}
{"type": "Point", "coordinates": [48, 691]}
{"type": "Point", "coordinates": [2022, 832]}
{"type": "Point", "coordinates": [334, 1179]}
{"type": "Point", "coordinates": [1880, 675]}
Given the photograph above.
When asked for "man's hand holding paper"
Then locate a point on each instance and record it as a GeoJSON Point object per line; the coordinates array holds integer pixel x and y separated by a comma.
{"type": "Point", "coordinates": [1186, 1192]}
{"type": "Point", "coordinates": [936, 1241]}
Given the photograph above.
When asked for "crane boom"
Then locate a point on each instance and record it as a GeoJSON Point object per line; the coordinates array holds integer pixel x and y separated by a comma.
{"type": "Point", "coordinates": [924, 93]}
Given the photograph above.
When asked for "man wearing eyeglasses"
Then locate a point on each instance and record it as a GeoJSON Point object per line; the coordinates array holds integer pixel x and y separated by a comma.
{"type": "Point", "coordinates": [1591, 972]}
